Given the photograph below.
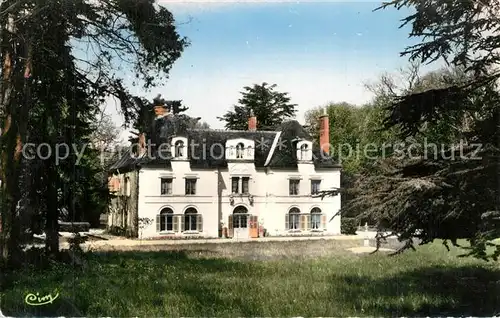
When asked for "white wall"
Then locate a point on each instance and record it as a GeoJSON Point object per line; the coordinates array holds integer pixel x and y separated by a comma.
{"type": "Point", "coordinates": [268, 188]}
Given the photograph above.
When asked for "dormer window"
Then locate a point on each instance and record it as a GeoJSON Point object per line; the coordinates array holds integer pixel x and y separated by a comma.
{"type": "Point", "coordinates": [179, 149]}
{"type": "Point", "coordinates": [239, 150]}
{"type": "Point", "coordinates": [304, 150]}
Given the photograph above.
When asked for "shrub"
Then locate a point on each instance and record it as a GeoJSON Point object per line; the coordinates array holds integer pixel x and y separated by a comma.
{"type": "Point", "coordinates": [348, 226]}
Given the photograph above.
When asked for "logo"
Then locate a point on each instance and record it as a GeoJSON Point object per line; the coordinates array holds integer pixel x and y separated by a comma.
{"type": "Point", "coordinates": [36, 300]}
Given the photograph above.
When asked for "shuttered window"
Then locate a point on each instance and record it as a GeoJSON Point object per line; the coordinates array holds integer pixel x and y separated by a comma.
{"type": "Point", "coordinates": [165, 220]}
{"type": "Point", "coordinates": [293, 219]}
{"type": "Point", "coordinates": [316, 221]}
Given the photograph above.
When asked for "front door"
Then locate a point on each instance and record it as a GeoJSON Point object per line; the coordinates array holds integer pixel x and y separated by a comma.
{"type": "Point", "coordinates": [239, 223]}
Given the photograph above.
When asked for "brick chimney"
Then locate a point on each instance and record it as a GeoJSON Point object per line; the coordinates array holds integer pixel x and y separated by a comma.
{"type": "Point", "coordinates": [160, 111]}
{"type": "Point", "coordinates": [252, 122]}
{"type": "Point", "coordinates": [324, 132]}
{"type": "Point", "coordinates": [142, 144]}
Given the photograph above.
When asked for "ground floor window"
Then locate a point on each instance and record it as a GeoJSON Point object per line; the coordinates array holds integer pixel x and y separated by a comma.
{"type": "Point", "coordinates": [316, 219]}
{"type": "Point", "coordinates": [167, 221]}
{"type": "Point", "coordinates": [192, 220]}
{"type": "Point", "coordinates": [293, 219]}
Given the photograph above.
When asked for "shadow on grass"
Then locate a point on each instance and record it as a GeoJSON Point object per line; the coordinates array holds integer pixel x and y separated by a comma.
{"type": "Point", "coordinates": [428, 291]}
{"type": "Point", "coordinates": [178, 283]}
{"type": "Point", "coordinates": [113, 282]}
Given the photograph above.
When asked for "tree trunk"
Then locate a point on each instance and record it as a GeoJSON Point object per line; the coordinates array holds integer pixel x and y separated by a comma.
{"type": "Point", "coordinates": [14, 135]}
{"type": "Point", "coordinates": [10, 193]}
{"type": "Point", "coordinates": [52, 213]}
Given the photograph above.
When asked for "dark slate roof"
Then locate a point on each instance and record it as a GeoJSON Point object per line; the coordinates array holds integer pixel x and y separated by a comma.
{"type": "Point", "coordinates": [210, 151]}
{"type": "Point", "coordinates": [206, 146]}
{"type": "Point", "coordinates": [285, 155]}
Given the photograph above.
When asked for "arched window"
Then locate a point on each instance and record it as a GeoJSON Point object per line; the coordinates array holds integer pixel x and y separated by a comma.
{"type": "Point", "coordinates": [165, 220]}
{"type": "Point", "coordinates": [316, 218]}
{"type": "Point", "coordinates": [293, 219]}
{"type": "Point", "coordinates": [303, 151]}
{"type": "Point", "coordinates": [192, 220]}
{"type": "Point", "coordinates": [240, 217]}
{"type": "Point", "coordinates": [179, 149]}
{"type": "Point", "coordinates": [239, 150]}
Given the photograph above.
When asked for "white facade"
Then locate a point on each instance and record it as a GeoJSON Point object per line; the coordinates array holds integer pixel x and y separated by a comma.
{"type": "Point", "coordinates": [268, 199]}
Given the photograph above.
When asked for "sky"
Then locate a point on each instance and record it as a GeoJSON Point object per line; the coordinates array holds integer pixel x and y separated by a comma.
{"type": "Point", "coordinates": [318, 52]}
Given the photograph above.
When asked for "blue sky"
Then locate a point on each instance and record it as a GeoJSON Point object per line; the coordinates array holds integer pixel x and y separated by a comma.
{"type": "Point", "coordinates": [319, 52]}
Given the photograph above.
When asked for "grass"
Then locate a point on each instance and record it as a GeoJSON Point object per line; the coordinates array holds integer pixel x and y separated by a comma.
{"type": "Point", "coordinates": [263, 279]}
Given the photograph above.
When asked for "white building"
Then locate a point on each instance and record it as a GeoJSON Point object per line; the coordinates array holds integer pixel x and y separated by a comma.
{"type": "Point", "coordinates": [213, 183]}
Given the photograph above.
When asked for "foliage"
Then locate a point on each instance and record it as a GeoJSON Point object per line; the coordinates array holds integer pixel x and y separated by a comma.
{"type": "Point", "coordinates": [52, 96]}
{"type": "Point", "coordinates": [269, 106]}
{"type": "Point", "coordinates": [428, 282]}
{"type": "Point", "coordinates": [348, 226]}
{"type": "Point", "coordinates": [454, 194]}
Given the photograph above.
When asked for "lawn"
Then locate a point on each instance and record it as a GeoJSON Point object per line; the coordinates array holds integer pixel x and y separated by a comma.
{"type": "Point", "coordinates": [263, 279]}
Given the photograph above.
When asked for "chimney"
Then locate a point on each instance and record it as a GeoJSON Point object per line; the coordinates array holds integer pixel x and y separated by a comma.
{"type": "Point", "coordinates": [324, 132]}
{"type": "Point", "coordinates": [160, 111]}
{"type": "Point", "coordinates": [142, 144]}
{"type": "Point", "coordinates": [252, 121]}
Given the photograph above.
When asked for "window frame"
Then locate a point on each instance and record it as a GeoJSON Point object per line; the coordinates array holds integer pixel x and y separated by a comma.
{"type": "Point", "coordinates": [316, 213]}
{"type": "Point", "coordinates": [293, 184]}
{"type": "Point", "coordinates": [192, 188]}
{"type": "Point", "coordinates": [315, 182]}
{"type": "Point", "coordinates": [167, 180]}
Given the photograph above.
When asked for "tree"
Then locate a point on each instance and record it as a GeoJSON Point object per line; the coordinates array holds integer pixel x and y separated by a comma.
{"type": "Point", "coordinates": [439, 197]}
{"type": "Point", "coordinates": [269, 106]}
{"type": "Point", "coordinates": [60, 92]}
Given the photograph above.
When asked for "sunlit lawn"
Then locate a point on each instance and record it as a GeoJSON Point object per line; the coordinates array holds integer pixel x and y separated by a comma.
{"type": "Point", "coordinates": [272, 279]}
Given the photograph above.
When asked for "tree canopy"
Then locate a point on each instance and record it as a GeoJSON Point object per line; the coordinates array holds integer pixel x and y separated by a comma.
{"type": "Point", "coordinates": [269, 106]}
{"type": "Point", "coordinates": [454, 193]}
{"type": "Point", "coordinates": [50, 93]}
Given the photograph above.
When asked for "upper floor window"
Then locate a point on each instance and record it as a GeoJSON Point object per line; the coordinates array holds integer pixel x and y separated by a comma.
{"type": "Point", "coordinates": [240, 150]}
{"type": "Point", "coordinates": [294, 187]}
{"type": "Point", "coordinates": [166, 186]}
{"type": "Point", "coordinates": [235, 184]}
{"type": "Point", "coordinates": [190, 186]}
{"type": "Point", "coordinates": [315, 185]}
{"type": "Point", "coordinates": [245, 181]}
{"type": "Point", "coordinates": [243, 187]}
{"type": "Point", "coordinates": [179, 149]}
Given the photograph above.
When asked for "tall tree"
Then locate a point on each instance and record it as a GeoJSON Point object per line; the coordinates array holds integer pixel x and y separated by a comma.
{"type": "Point", "coordinates": [455, 195]}
{"type": "Point", "coordinates": [269, 106]}
{"type": "Point", "coordinates": [60, 90]}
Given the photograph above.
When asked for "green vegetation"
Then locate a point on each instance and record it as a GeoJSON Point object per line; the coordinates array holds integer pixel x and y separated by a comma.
{"type": "Point", "coordinates": [270, 279]}
{"type": "Point", "coordinates": [348, 226]}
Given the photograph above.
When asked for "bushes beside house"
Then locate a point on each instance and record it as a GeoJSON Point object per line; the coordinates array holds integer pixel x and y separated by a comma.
{"type": "Point", "coordinates": [348, 226]}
